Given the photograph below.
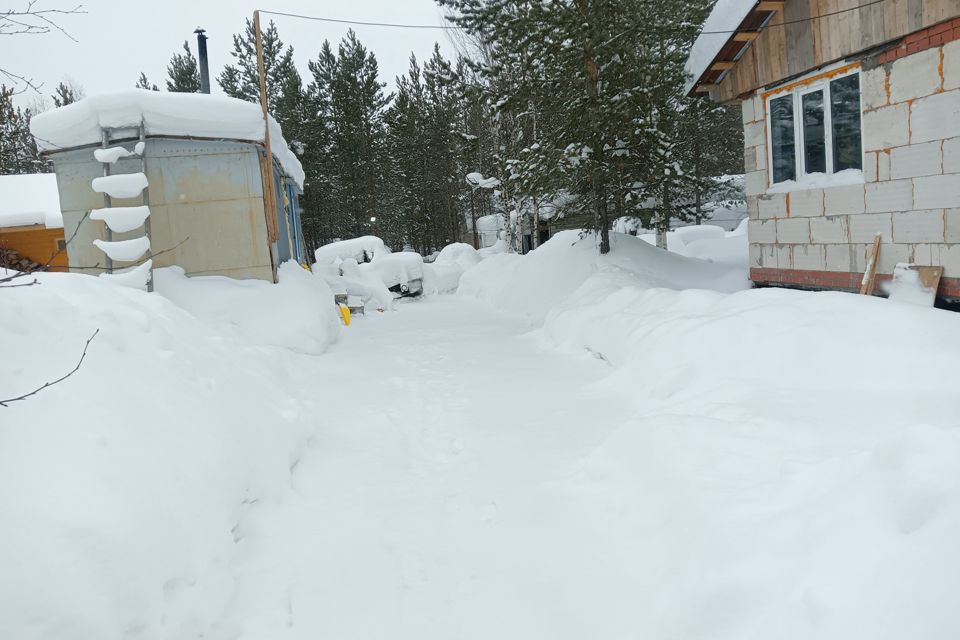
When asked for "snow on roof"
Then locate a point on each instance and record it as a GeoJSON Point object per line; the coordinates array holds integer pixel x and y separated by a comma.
{"type": "Point", "coordinates": [173, 114]}
{"type": "Point", "coordinates": [30, 199]}
{"type": "Point", "coordinates": [723, 20]}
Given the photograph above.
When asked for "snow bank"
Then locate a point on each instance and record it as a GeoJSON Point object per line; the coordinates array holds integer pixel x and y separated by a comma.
{"type": "Point", "coordinates": [531, 285]}
{"type": "Point", "coordinates": [297, 313]}
{"type": "Point", "coordinates": [788, 466]}
{"type": "Point", "coordinates": [163, 114]}
{"type": "Point", "coordinates": [723, 20]}
{"type": "Point", "coordinates": [732, 248]}
{"type": "Point", "coordinates": [124, 489]}
{"type": "Point", "coordinates": [30, 199]}
{"type": "Point", "coordinates": [135, 277]}
{"type": "Point", "coordinates": [792, 473]}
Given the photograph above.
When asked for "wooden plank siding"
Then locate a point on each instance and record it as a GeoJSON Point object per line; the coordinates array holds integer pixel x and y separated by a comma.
{"type": "Point", "coordinates": [37, 243]}
{"type": "Point", "coordinates": [808, 41]}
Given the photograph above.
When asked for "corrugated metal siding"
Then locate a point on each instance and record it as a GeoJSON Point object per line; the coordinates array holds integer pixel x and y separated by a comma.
{"type": "Point", "coordinates": [205, 199]}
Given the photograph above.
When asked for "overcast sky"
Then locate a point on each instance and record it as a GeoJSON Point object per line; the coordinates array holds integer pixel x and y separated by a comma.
{"type": "Point", "coordinates": [117, 39]}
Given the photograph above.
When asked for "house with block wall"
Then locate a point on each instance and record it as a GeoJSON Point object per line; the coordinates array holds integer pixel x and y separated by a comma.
{"type": "Point", "coordinates": [851, 116]}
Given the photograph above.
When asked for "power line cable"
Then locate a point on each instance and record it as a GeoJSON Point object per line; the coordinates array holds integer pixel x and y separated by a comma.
{"type": "Point", "coordinates": [362, 23]}
{"type": "Point", "coordinates": [450, 27]}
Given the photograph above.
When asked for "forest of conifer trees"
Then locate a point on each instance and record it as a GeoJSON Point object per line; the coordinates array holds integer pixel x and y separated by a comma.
{"type": "Point", "coordinates": [573, 111]}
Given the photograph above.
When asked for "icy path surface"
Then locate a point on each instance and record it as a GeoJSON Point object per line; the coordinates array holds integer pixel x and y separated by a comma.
{"type": "Point", "coordinates": [426, 507]}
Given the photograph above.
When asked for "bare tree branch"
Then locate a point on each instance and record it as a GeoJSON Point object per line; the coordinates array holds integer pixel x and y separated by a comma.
{"type": "Point", "coordinates": [5, 403]}
{"type": "Point", "coordinates": [32, 21]}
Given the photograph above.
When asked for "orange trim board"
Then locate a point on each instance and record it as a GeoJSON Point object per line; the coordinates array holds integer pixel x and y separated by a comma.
{"type": "Point", "coordinates": [806, 81]}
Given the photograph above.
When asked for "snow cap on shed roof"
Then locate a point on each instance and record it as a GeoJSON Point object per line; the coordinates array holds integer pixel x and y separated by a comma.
{"type": "Point", "coordinates": [196, 115]}
{"type": "Point", "coordinates": [29, 199]}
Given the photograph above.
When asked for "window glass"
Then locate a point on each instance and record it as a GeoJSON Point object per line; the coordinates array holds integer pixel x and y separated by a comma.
{"type": "Point", "coordinates": [845, 115]}
{"type": "Point", "coordinates": [783, 148]}
{"type": "Point", "coordinates": [814, 132]}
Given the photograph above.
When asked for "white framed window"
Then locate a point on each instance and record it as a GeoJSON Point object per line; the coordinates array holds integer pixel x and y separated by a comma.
{"type": "Point", "coordinates": [815, 128]}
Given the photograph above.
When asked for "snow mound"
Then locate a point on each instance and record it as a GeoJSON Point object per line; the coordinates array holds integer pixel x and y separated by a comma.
{"type": "Point", "coordinates": [785, 441]}
{"type": "Point", "coordinates": [30, 199]}
{"type": "Point", "coordinates": [459, 253]}
{"type": "Point", "coordinates": [296, 313]}
{"type": "Point", "coordinates": [124, 488]}
{"type": "Point", "coordinates": [195, 115]}
{"type": "Point", "coordinates": [698, 232]}
{"type": "Point", "coordinates": [733, 249]}
{"type": "Point", "coordinates": [531, 285]}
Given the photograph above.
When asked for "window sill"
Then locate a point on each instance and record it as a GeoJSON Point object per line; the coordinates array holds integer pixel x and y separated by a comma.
{"type": "Point", "coordinates": [843, 178]}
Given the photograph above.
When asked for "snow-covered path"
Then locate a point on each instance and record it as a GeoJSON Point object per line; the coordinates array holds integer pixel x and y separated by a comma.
{"type": "Point", "coordinates": [426, 507]}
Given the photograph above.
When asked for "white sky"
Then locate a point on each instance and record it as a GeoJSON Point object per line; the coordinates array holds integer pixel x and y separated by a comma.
{"type": "Point", "coordinates": [120, 38]}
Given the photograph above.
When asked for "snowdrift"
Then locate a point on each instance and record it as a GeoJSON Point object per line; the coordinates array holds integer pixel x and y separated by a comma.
{"type": "Point", "coordinates": [790, 468]}
{"type": "Point", "coordinates": [794, 458]}
{"type": "Point", "coordinates": [123, 489]}
{"type": "Point", "coordinates": [531, 285]}
{"type": "Point", "coordinates": [296, 313]}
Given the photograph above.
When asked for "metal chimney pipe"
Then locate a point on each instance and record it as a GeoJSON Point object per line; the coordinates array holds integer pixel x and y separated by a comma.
{"type": "Point", "coordinates": [202, 60]}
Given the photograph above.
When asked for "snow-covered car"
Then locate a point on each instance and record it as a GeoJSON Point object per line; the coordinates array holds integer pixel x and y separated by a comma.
{"type": "Point", "coordinates": [401, 273]}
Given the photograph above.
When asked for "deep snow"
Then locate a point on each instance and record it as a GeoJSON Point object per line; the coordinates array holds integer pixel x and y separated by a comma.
{"type": "Point", "coordinates": [565, 449]}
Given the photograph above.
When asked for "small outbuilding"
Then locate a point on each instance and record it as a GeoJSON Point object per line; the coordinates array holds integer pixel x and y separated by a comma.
{"type": "Point", "coordinates": [31, 226]}
{"type": "Point", "coordinates": [851, 116]}
{"type": "Point", "coordinates": [194, 178]}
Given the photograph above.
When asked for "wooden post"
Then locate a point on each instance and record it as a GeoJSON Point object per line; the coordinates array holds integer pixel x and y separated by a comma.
{"type": "Point", "coordinates": [266, 162]}
{"type": "Point", "coordinates": [870, 275]}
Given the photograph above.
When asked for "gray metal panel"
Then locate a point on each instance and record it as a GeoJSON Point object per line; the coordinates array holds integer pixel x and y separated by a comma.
{"type": "Point", "coordinates": [205, 196]}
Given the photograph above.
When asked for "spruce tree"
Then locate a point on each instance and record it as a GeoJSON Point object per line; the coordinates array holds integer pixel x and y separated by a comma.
{"type": "Point", "coordinates": [285, 96]}
{"type": "Point", "coordinates": [183, 73]}
{"type": "Point", "coordinates": [144, 83]}
{"type": "Point", "coordinates": [241, 80]}
{"type": "Point", "coordinates": [18, 149]}
{"type": "Point", "coordinates": [66, 93]}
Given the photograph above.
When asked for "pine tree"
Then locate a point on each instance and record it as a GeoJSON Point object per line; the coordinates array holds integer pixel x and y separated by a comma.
{"type": "Point", "coordinates": [357, 104]}
{"type": "Point", "coordinates": [144, 83]}
{"type": "Point", "coordinates": [183, 73]}
{"type": "Point", "coordinates": [66, 93]}
{"type": "Point", "coordinates": [285, 94]}
{"type": "Point", "coordinates": [241, 80]}
{"type": "Point", "coordinates": [18, 149]}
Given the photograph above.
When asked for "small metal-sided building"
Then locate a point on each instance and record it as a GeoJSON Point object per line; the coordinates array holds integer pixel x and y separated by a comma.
{"type": "Point", "coordinates": [204, 160]}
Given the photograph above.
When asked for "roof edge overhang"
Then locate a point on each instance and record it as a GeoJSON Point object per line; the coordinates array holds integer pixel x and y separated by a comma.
{"type": "Point", "coordinates": [736, 45]}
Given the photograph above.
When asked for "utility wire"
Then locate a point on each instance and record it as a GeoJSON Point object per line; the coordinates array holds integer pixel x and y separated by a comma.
{"type": "Point", "coordinates": [449, 27]}
{"type": "Point", "coordinates": [361, 23]}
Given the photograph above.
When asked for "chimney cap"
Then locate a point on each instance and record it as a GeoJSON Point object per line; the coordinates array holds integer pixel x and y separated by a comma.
{"type": "Point", "coordinates": [199, 30]}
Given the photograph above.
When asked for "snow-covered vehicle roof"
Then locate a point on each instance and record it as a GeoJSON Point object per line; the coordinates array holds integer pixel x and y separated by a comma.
{"type": "Point", "coordinates": [189, 115]}
{"type": "Point", "coordinates": [29, 199]}
{"type": "Point", "coordinates": [399, 268]}
{"type": "Point", "coordinates": [362, 249]}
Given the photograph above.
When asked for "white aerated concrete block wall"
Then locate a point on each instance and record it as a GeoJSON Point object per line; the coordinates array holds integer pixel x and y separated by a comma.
{"type": "Point", "coordinates": [911, 190]}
